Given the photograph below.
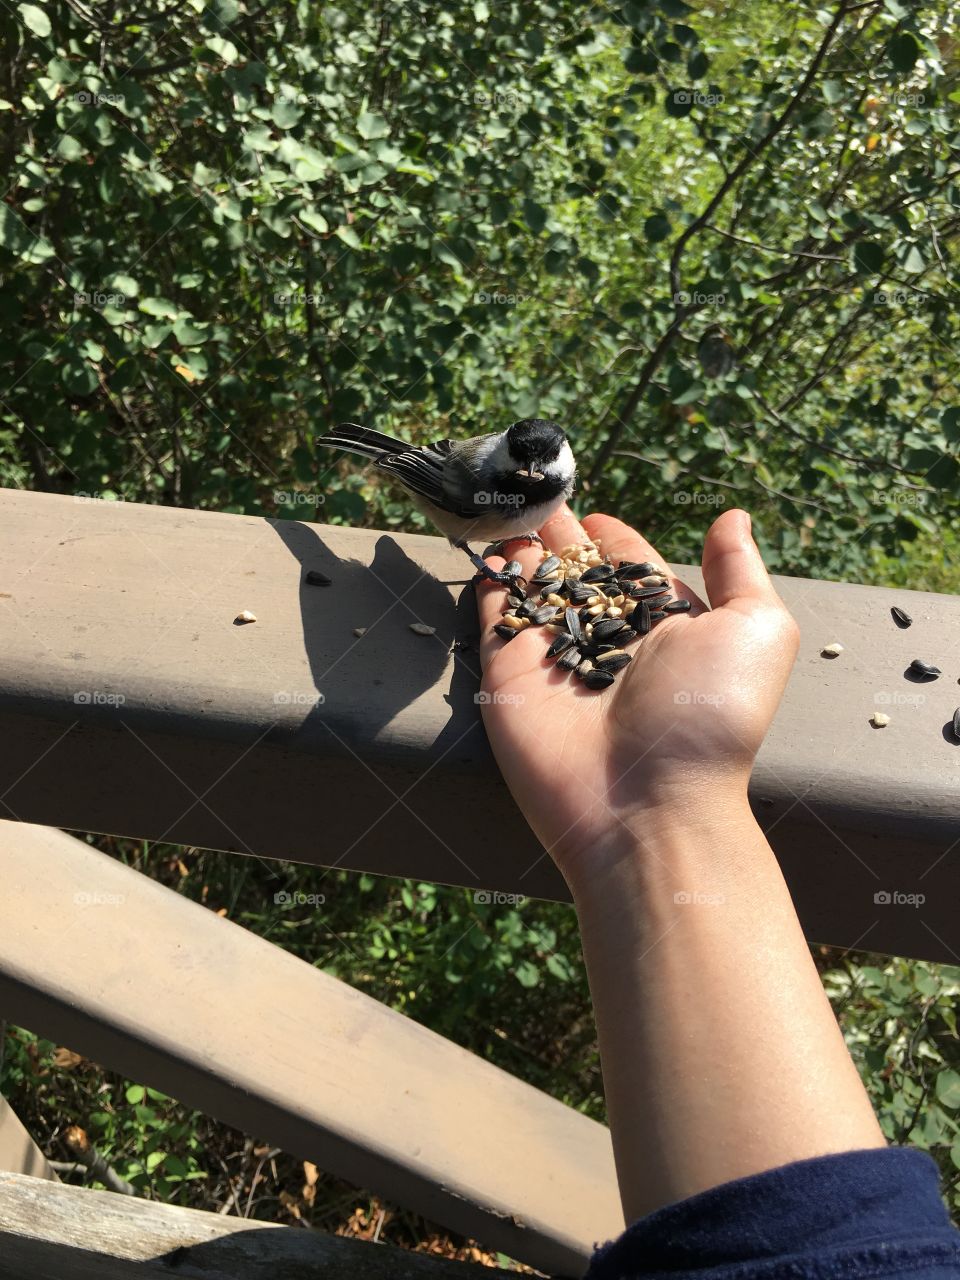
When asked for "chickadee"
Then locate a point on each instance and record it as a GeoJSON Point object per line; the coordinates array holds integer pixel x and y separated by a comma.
{"type": "Point", "coordinates": [491, 488]}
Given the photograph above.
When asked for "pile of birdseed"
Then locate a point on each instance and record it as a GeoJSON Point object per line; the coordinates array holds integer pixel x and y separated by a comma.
{"type": "Point", "coordinates": [590, 607]}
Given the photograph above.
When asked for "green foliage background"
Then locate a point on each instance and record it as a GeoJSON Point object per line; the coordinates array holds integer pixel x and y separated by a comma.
{"type": "Point", "coordinates": [716, 242]}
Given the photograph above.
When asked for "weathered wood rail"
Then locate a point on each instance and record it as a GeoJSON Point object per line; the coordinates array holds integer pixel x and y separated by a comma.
{"type": "Point", "coordinates": [52, 1232]}
{"type": "Point", "coordinates": [221, 739]}
{"type": "Point", "coordinates": [96, 956]}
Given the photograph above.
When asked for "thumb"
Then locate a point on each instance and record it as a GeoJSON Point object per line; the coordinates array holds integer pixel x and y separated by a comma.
{"type": "Point", "coordinates": [732, 567]}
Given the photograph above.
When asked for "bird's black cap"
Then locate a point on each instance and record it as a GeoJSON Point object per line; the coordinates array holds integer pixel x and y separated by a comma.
{"type": "Point", "coordinates": [535, 439]}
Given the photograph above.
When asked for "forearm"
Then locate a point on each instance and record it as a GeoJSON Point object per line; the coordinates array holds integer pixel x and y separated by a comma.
{"type": "Point", "coordinates": [693, 1101]}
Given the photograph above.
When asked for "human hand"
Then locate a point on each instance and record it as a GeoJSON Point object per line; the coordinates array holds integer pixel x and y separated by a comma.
{"type": "Point", "coordinates": [678, 731]}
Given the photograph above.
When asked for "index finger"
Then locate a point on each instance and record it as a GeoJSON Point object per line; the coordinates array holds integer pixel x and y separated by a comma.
{"type": "Point", "coordinates": [618, 541]}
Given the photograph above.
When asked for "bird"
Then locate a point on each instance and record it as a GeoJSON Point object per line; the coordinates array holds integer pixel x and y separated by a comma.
{"type": "Point", "coordinates": [498, 487]}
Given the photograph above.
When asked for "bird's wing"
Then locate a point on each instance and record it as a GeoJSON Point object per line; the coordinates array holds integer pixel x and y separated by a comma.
{"type": "Point", "coordinates": [362, 440]}
{"type": "Point", "coordinates": [421, 469]}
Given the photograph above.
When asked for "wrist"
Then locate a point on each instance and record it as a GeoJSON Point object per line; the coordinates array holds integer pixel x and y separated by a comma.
{"type": "Point", "coordinates": [694, 832]}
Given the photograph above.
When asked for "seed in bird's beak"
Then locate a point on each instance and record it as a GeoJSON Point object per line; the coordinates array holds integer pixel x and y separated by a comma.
{"type": "Point", "coordinates": [529, 473]}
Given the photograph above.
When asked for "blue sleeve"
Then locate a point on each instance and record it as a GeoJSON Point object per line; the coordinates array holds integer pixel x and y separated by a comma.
{"type": "Point", "coordinates": [853, 1216]}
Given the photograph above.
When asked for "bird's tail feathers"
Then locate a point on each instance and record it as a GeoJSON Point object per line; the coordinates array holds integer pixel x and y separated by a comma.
{"type": "Point", "coordinates": [363, 440]}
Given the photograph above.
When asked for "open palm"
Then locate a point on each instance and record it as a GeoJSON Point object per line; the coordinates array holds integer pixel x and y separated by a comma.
{"type": "Point", "coordinates": [688, 713]}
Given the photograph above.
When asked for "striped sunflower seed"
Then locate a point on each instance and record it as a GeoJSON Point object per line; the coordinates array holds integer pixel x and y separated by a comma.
{"type": "Point", "coordinates": [956, 724]}
{"type": "Point", "coordinates": [572, 618]}
{"type": "Point", "coordinates": [606, 628]}
{"type": "Point", "coordinates": [677, 606]}
{"type": "Point", "coordinates": [598, 573]}
{"type": "Point", "coordinates": [544, 614]}
{"type": "Point", "coordinates": [561, 645]}
{"type": "Point", "coordinates": [505, 632]}
{"type": "Point", "coordinates": [920, 668]}
{"type": "Point", "coordinates": [598, 679]}
{"type": "Point", "coordinates": [570, 660]}
{"type": "Point", "coordinates": [901, 618]}
{"type": "Point", "coordinates": [546, 568]}
{"type": "Point", "coordinates": [613, 660]}
{"type": "Point", "coordinates": [640, 618]}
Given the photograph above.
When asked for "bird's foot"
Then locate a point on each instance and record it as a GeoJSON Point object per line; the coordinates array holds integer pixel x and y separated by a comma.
{"type": "Point", "coordinates": [504, 577]}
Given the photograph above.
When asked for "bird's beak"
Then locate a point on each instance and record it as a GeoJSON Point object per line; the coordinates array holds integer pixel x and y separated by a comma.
{"type": "Point", "coordinates": [532, 472]}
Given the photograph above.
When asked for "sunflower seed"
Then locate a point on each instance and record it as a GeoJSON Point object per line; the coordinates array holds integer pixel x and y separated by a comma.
{"type": "Point", "coordinates": [647, 593]}
{"type": "Point", "coordinates": [244, 616]}
{"type": "Point", "coordinates": [604, 628]}
{"type": "Point", "coordinates": [570, 660]}
{"type": "Point", "coordinates": [561, 645]}
{"type": "Point", "coordinates": [613, 660]}
{"type": "Point", "coordinates": [504, 631]}
{"type": "Point", "coordinates": [879, 719]}
{"type": "Point", "coordinates": [359, 631]}
{"type": "Point", "coordinates": [641, 624]}
{"type": "Point", "coordinates": [421, 629]}
{"type": "Point", "coordinates": [677, 606]}
{"type": "Point", "coordinates": [831, 650]}
{"type": "Point", "coordinates": [656, 615]}
{"type": "Point", "coordinates": [900, 618]}
{"type": "Point", "coordinates": [558, 602]}
{"type": "Point", "coordinates": [628, 571]}
{"type": "Point", "coordinates": [599, 573]}
{"type": "Point", "coordinates": [924, 668]}
{"type": "Point", "coordinates": [598, 679]}
{"type": "Point", "coordinates": [544, 614]}
{"type": "Point", "coordinates": [583, 667]}
{"type": "Point", "coordinates": [544, 570]}
{"type": "Point", "coordinates": [317, 579]}
{"type": "Point", "coordinates": [513, 568]}
{"type": "Point", "coordinates": [573, 624]}
{"type": "Point", "coordinates": [577, 593]}
{"type": "Point", "coordinates": [956, 724]}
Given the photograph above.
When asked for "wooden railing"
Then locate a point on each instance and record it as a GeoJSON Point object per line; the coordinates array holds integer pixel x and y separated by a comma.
{"type": "Point", "coordinates": [133, 703]}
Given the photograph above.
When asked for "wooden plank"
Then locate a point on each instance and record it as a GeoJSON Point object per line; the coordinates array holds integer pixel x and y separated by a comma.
{"type": "Point", "coordinates": [18, 1151]}
{"type": "Point", "coordinates": [392, 773]}
{"type": "Point", "coordinates": [132, 975]}
{"type": "Point", "coordinates": [56, 1232]}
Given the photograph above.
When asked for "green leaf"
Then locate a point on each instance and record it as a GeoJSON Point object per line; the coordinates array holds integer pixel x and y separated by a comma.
{"type": "Point", "coordinates": [35, 18]}
{"type": "Point", "coordinates": [903, 51]}
{"type": "Point", "coordinates": [832, 91]}
{"type": "Point", "coordinates": [79, 379]}
{"type": "Point", "coordinates": [527, 973]}
{"type": "Point", "coordinates": [316, 221]}
{"type": "Point", "coordinates": [697, 65]}
{"type": "Point", "coordinates": [867, 257]}
{"type": "Point", "coordinates": [534, 215]}
{"type": "Point", "coordinates": [162, 307]}
{"type": "Point", "coordinates": [948, 1089]}
{"type": "Point", "coordinates": [372, 125]}
{"type": "Point", "coordinates": [656, 227]}
{"type": "Point", "coordinates": [911, 259]}
{"type": "Point", "coordinates": [348, 236]}
{"type": "Point", "coordinates": [135, 1093]}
